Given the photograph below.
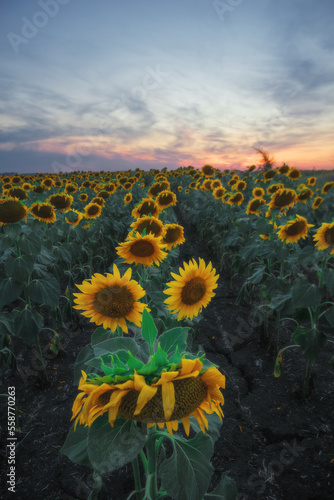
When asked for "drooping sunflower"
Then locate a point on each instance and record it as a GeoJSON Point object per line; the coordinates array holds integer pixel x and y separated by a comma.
{"type": "Point", "coordinates": [275, 187]}
{"type": "Point", "coordinates": [317, 202]}
{"type": "Point", "coordinates": [150, 224]}
{"type": "Point", "coordinates": [173, 236]}
{"type": "Point", "coordinates": [12, 210]}
{"type": "Point", "coordinates": [19, 193]}
{"type": "Point", "coordinates": [325, 236]}
{"type": "Point", "coordinates": [304, 195]}
{"type": "Point", "coordinates": [215, 184]}
{"type": "Point", "coordinates": [165, 199]}
{"type": "Point", "coordinates": [284, 169]}
{"type": "Point", "coordinates": [236, 199]}
{"type": "Point", "coordinates": [163, 398]}
{"type": "Point", "coordinates": [240, 185]}
{"type": "Point", "coordinates": [39, 189]}
{"type": "Point", "coordinates": [270, 174]}
{"type": "Point", "coordinates": [127, 198]}
{"type": "Point", "coordinates": [83, 197]}
{"type": "Point", "coordinates": [258, 192]}
{"type": "Point", "coordinates": [206, 186]}
{"type": "Point", "coordinates": [253, 205]}
{"type": "Point", "coordinates": [146, 207]}
{"type": "Point", "coordinates": [192, 290]}
{"type": "Point", "coordinates": [146, 250]}
{"type": "Point", "coordinates": [111, 300]}
{"type": "Point", "coordinates": [97, 199]}
{"type": "Point", "coordinates": [62, 202]}
{"type": "Point", "coordinates": [92, 210]}
{"type": "Point", "coordinates": [71, 187]}
{"type": "Point", "coordinates": [16, 179]}
{"type": "Point", "coordinates": [283, 198]}
{"type": "Point", "coordinates": [43, 211]}
{"type": "Point", "coordinates": [157, 188]}
{"type": "Point", "coordinates": [326, 187]}
{"type": "Point", "coordinates": [294, 230]}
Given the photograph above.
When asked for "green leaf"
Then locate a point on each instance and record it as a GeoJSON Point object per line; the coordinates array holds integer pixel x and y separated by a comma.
{"type": "Point", "coordinates": [186, 475]}
{"type": "Point", "coordinates": [305, 295]}
{"type": "Point", "coordinates": [329, 280]}
{"type": "Point", "coordinates": [257, 276]}
{"type": "Point", "coordinates": [170, 339]}
{"type": "Point", "coordinates": [225, 490]}
{"type": "Point", "coordinates": [160, 357]}
{"type": "Point", "coordinates": [148, 329]}
{"type": "Point", "coordinates": [28, 324]}
{"type": "Point", "coordinates": [109, 448]}
{"type": "Point", "coordinates": [45, 256]}
{"type": "Point", "coordinates": [45, 292]}
{"type": "Point", "coordinates": [6, 324]}
{"type": "Point", "coordinates": [5, 243]}
{"type": "Point", "coordinates": [281, 302]}
{"type": "Point", "coordinates": [134, 363]}
{"type": "Point", "coordinates": [149, 368]}
{"type": "Point", "coordinates": [81, 363]}
{"type": "Point", "coordinates": [100, 335]}
{"type": "Point", "coordinates": [76, 445]}
{"type": "Point", "coordinates": [12, 230]}
{"type": "Point", "coordinates": [311, 341]}
{"type": "Point", "coordinates": [30, 245]}
{"type": "Point", "coordinates": [10, 290]}
{"type": "Point", "coordinates": [20, 268]}
{"type": "Point", "coordinates": [113, 345]}
{"type": "Point", "coordinates": [329, 315]}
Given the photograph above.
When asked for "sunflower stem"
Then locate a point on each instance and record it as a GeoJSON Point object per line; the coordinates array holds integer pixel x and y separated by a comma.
{"type": "Point", "coordinates": [151, 476]}
{"type": "Point", "coordinates": [136, 476]}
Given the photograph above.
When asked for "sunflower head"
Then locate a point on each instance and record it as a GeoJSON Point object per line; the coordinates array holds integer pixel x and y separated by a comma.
{"type": "Point", "coordinates": [43, 211]}
{"type": "Point", "coordinates": [92, 210]}
{"type": "Point", "coordinates": [62, 202]}
{"type": "Point", "coordinates": [149, 224]}
{"type": "Point", "coordinates": [127, 198]}
{"type": "Point", "coordinates": [173, 236]}
{"type": "Point", "coordinates": [171, 386]}
{"type": "Point", "coordinates": [326, 187]}
{"type": "Point", "coordinates": [192, 289]}
{"type": "Point", "coordinates": [258, 192]}
{"type": "Point", "coordinates": [294, 230]}
{"type": "Point", "coordinates": [304, 195]}
{"type": "Point", "coordinates": [283, 198]}
{"type": "Point", "coordinates": [294, 174]}
{"type": "Point", "coordinates": [325, 237]}
{"type": "Point", "coordinates": [18, 193]}
{"type": "Point", "coordinates": [12, 210]}
{"type": "Point", "coordinates": [166, 199]}
{"type": "Point", "coordinates": [208, 171]}
{"type": "Point", "coordinates": [138, 249]}
{"type": "Point", "coordinates": [317, 202]}
{"type": "Point", "coordinates": [311, 181]}
{"type": "Point", "coordinates": [254, 205]}
{"type": "Point", "coordinates": [146, 207]}
{"type": "Point", "coordinates": [236, 199]}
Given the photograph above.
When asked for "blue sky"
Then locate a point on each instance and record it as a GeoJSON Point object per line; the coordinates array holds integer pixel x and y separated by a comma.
{"type": "Point", "coordinates": [105, 84]}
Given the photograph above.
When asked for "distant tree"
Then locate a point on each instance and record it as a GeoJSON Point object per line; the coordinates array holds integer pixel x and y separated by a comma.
{"type": "Point", "coordinates": [267, 162]}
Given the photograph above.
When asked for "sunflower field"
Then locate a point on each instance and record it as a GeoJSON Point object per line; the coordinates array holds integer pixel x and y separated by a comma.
{"type": "Point", "coordinates": [168, 334]}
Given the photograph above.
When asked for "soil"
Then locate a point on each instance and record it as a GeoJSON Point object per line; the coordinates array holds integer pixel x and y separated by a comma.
{"type": "Point", "coordinates": [275, 443]}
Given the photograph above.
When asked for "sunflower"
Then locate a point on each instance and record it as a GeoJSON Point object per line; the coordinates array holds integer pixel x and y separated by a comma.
{"type": "Point", "coordinates": [208, 171]}
{"type": "Point", "coordinates": [48, 182]}
{"type": "Point", "coordinates": [284, 169]}
{"type": "Point", "coordinates": [258, 192]}
{"type": "Point", "coordinates": [19, 193]}
{"type": "Point", "coordinates": [218, 192]}
{"type": "Point", "coordinates": [274, 187]}
{"type": "Point", "coordinates": [294, 174]}
{"type": "Point", "coordinates": [192, 290]}
{"type": "Point", "coordinates": [294, 230]}
{"type": "Point", "coordinates": [206, 186]}
{"type": "Point", "coordinates": [317, 202]}
{"type": "Point", "coordinates": [92, 210]}
{"type": "Point", "coordinates": [71, 188]}
{"type": "Point", "coordinates": [215, 184]}
{"type": "Point", "coordinates": [325, 236]}
{"type": "Point", "coordinates": [311, 181]}
{"type": "Point", "coordinates": [16, 179]}
{"type": "Point", "coordinates": [251, 168]}
{"type": "Point", "coordinates": [111, 300]}
{"type": "Point", "coordinates": [62, 202]}
{"type": "Point", "coordinates": [173, 236]}
{"type": "Point", "coordinates": [146, 250]}
{"type": "Point", "coordinates": [304, 195]}
{"type": "Point", "coordinates": [240, 185]}
{"type": "Point", "coordinates": [283, 198]}
{"type": "Point", "coordinates": [43, 211]}
{"type": "Point", "coordinates": [74, 219]}
{"type": "Point", "coordinates": [163, 398]}
{"type": "Point", "coordinates": [150, 224]}
{"type": "Point", "coordinates": [267, 176]}
{"type": "Point", "coordinates": [166, 199]}
{"type": "Point", "coordinates": [301, 187]}
{"type": "Point", "coordinates": [157, 188]}
{"type": "Point", "coordinates": [11, 210]}
{"type": "Point", "coordinates": [127, 198]}
{"type": "Point", "coordinates": [83, 197]}
{"type": "Point", "coordinates": [326, 187]}
{"type": "Point", "coordinates": [146, 207]}
{"type": "Point", "coordinates": [100, 201]}
{"type": "Point", "coordinates": [253, 205]}
{"type": "Point", "coordinates": [236, 199]}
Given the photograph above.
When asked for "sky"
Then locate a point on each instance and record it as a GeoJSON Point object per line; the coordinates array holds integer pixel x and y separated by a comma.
{"type": "Point", "coordinates": [117, 85]}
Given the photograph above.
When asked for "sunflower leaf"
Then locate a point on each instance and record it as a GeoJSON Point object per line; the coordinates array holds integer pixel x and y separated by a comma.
{"type": "Point", "coordinates": [10, 290]}
{"type": "Point", "coordinates": [20, 268]}
{"type": "Point", "coordinates": [225, 490]}
{"type": "Point", "coordinates": [27, 324]}
{"type": "Point", "coordinates": [133, 363]}
{"type": "Point", "coordinates": [187, 473]}
{"type": "Point", "coordinates": [148, 329]}
{"type": "Point", "coordinates": [149, 368]}
{"type": "Point", "coordinates": [171, 339]}
{"type": "Point", "coordinates": [109, 448]}
{"type": "Point", "coordinates": [76, 446]}
{"type": "Point", "coordinates": [45, 292]}
{"type": "Point", "coordinates": [160, 357]}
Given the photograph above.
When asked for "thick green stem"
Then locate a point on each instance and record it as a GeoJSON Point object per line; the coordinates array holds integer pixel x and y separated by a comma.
{"type": "Point", "coordinates": [151, 477]}
{"type": "Point", "coordinates": [136, 476]}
